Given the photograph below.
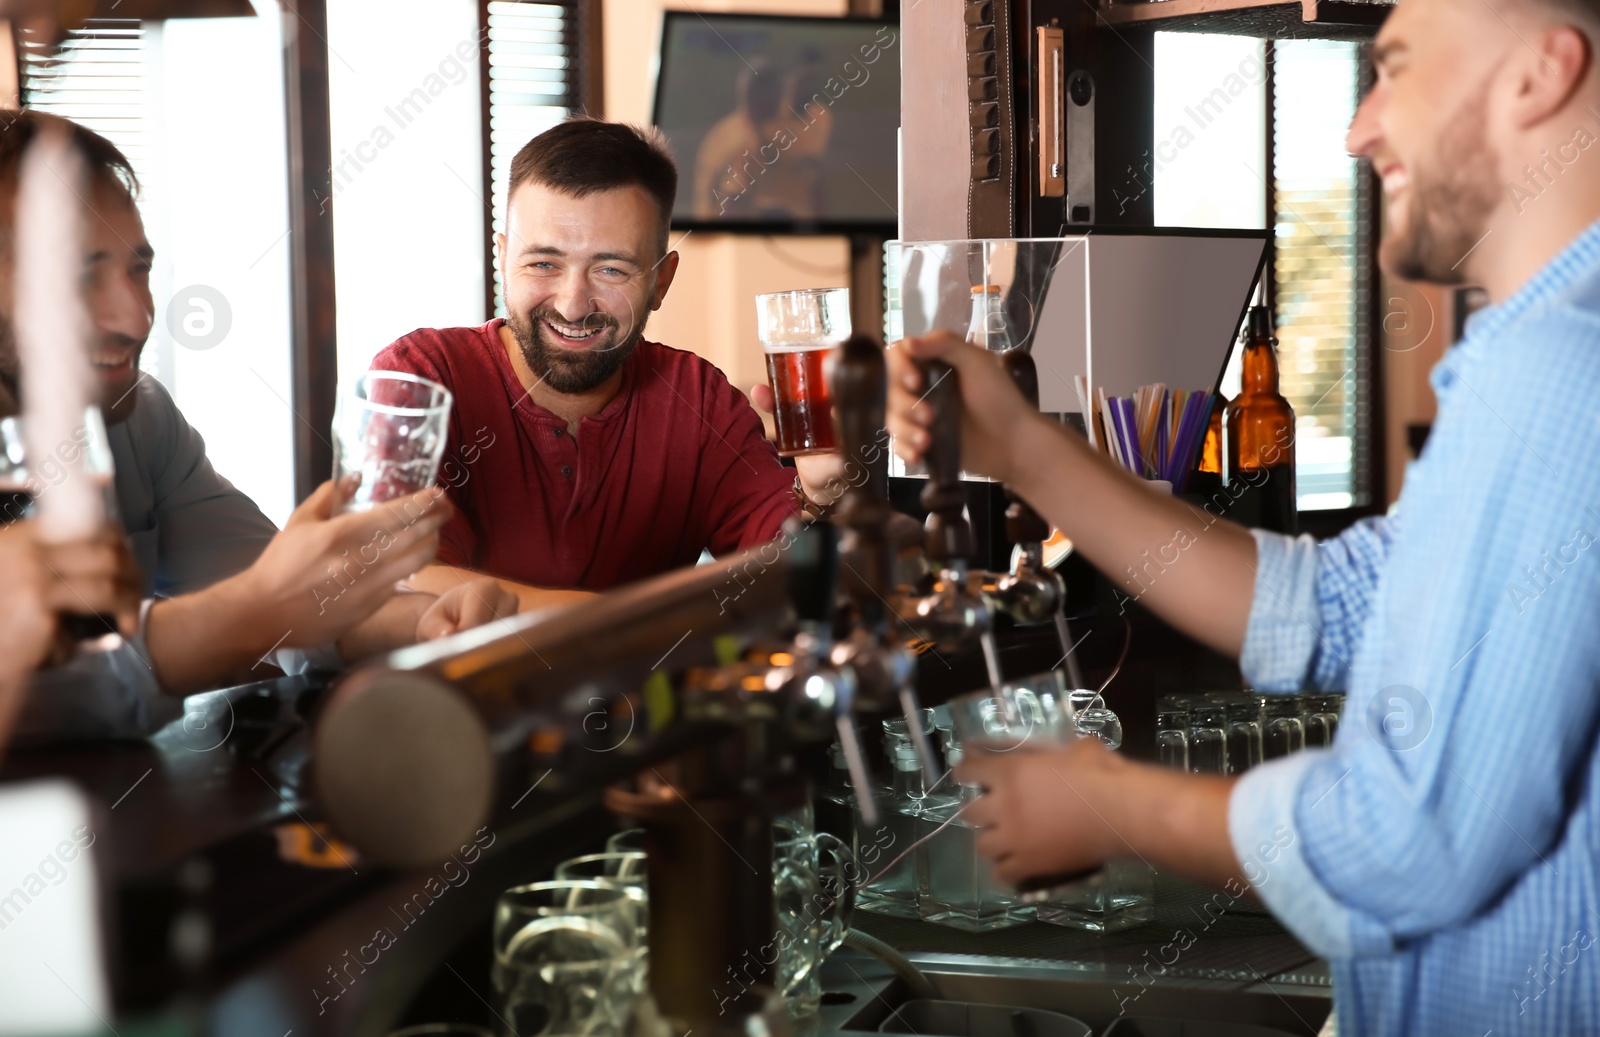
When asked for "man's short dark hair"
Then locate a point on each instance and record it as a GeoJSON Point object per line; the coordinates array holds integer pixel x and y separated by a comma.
{"type": "Point", "coordinates": [107, 166]}
{"type": "Point", "coordinates": [582, 155]}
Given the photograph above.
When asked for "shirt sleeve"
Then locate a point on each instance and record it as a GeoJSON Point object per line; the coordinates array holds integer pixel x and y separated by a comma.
{"type": "Point", "coordinates": [208, 529]}
{"type": "Point", "coordinates": [751, 493]}
{"type": "Point", "coordinates": [1473, 710]}
{"type": "Point", "coordinates": [1311, 603]}
{"type": "Point", "coordinates": [458, 541]}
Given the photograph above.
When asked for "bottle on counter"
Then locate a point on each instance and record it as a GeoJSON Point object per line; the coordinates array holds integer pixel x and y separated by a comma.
{"type": "Point", "coordinates": [1206, 480]}
{"type": "Point", "coordinates": [1258, 437]}
{"type": "Point", "coordinates": [1211, 451]}
{"type": "Point", "coordinates": [987, 329]}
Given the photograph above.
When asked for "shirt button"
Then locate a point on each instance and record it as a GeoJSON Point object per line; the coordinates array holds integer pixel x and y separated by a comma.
{"type": "Point", "coordinates": [560, 432]}
{"type": "Point", "coordinates": [566, 470]}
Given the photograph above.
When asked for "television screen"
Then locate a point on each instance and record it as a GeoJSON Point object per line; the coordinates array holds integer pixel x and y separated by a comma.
{"type": "Point", "coordinates": [781, 123]}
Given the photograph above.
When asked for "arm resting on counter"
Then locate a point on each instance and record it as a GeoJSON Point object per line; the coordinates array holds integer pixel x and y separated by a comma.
{"type": "Point", "coordinates": [440, 579]}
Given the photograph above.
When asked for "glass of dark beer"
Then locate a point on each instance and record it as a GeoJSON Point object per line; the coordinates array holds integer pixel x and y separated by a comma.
{"type": "Point", "coordinates": [800, 332]}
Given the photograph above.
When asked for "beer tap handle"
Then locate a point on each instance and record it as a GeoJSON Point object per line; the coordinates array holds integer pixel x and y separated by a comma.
{"type": "Point", "coordinates": [814, 573]}
{"type": "Point", "coordinates": [911, 706]}
{"type": "Point", "coordinates": [860, 394]}
{"type": "Point", "coordinates": [856, 763]}
{"type": "Point", "coordinates": [1023, 524]}
{"type": "Point", "coordinates": [948, 536]}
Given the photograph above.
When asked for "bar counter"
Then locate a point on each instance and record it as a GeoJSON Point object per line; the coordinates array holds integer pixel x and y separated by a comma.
{"type": "Point", "coordinates": [227, 914]}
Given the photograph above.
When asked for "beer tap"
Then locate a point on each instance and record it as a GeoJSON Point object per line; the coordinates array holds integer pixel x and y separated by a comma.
{"type": "Point", "coordinates": [819, 686]}
{"type": "Point", "coordinates": [1030, 593]}
{"type": "Point", "coordinates": [883, 668]}
{"type": "Point", "coordinates": [954, 615]}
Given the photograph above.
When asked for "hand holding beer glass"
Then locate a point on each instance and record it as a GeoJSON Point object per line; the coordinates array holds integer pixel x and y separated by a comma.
{"type": "Point", "coordinates": [800, 332]}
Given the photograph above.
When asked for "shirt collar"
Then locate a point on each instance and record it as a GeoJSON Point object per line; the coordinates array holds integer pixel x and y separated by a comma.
{"type": "Point", "coordinates": [1580, 257]}
{"type": "Point", "coordinates": [1577, 259]}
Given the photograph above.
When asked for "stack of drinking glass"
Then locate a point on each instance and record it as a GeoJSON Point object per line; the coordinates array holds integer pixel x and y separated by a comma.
{"type": "Point", "coordinates": [571, 955]}
{"type": "Point", "coordinates": [1230, 732]}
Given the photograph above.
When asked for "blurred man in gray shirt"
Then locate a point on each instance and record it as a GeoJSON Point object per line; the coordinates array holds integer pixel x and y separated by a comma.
{"type": "Point", "coordinates": [226, 592]}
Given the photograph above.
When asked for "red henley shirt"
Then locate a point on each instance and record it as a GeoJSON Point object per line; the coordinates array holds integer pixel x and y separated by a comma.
{"type": "Point", "coordinates": [677, 462]}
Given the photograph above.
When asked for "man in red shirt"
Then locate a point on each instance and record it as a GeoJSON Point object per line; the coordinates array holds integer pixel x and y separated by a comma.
{"type": "Point", "coordinates": [580, 455]}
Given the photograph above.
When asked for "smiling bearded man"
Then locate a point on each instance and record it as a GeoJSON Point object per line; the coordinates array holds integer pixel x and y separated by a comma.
{"type": "Point", "coordinates": [582, 456]}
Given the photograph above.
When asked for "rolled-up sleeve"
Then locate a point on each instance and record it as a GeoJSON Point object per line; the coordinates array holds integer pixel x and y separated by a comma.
{"type": "Point", "coordinates": [1268, 841]}
{"type": "Point", "coordinates": [1311, 606]}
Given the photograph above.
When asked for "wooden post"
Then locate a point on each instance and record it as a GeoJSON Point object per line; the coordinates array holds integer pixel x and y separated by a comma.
{"type": "Point", "coordinates": [313, 353]}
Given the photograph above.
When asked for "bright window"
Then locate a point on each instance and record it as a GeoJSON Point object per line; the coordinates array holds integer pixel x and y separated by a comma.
{"type": "Point", "coordinates": [1209, 169]}
{"type": "Point", "coordinates": [197, 105]}
{"type": "Point", "coordinates": [410, 215]}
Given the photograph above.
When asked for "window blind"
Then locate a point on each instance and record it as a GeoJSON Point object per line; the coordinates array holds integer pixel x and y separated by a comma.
{"type": "Point", "coordinates": [102, 76]}
{"type": "Point", "coordinates": [99, 77]}
{"type": "Point", "coordinates": [530, 89]}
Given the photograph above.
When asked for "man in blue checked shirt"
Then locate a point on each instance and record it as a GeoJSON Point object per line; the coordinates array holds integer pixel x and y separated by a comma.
{"type": "Point", "coordinates": [1443, 852]}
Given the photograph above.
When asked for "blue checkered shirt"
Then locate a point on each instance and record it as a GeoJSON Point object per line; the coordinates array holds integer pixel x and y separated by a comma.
{"type": "Point", "coordinates": [1442, 853]}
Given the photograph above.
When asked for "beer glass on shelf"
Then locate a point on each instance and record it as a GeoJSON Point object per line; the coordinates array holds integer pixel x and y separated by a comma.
{"type": "Point", "coordinates": [800, 332]}
{"type": "Point", "coordinates": [813, 899]}
{"type": "Point", "coordinates": [1208, 736]}
{"type": "Point", "coordinates": [1172, 732]}
{"type": "Point", "coordinates": [390, 427]}
{"type": "Point", "coordinates": [1283, 732]}
{"type": "Point", "coordinates": [567, 957]}
{"type": "Point", "coordinates": [1245, 745]}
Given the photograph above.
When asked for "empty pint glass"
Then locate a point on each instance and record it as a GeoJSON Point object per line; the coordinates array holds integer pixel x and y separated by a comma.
{"type": "Point", "coordinates": [800, 333]}
{"type": "Point", "coordinates": [389, 427]}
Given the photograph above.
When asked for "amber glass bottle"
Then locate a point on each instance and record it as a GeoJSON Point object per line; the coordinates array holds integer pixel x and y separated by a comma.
{"type": "Point", "coordinates": [1258, 436]}
{"type": "Point", "coordinates": [1211, 452]}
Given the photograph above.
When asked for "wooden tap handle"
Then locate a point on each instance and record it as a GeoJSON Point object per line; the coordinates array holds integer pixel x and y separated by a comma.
{"type": "Point", "coordinates": [860, 402]}
{"type": "Point", "coordinates": [1023, 524]}
{"type": "Point", "coordinates": [949, 538]}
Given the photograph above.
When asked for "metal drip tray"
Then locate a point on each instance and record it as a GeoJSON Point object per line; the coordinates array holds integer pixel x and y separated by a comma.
{"type": "Point", "coordinates": [861, 994]}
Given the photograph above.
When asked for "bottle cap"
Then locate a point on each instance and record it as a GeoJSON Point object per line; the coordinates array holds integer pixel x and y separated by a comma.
{"type": "Point", "coordinates": [1259, 325]}
{"type": "Point", "coordinates": [985, 289]}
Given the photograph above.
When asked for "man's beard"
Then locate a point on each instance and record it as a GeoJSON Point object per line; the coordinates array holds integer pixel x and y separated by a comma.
{"type": "Point", "coordinates": [1450, 202]}
{"type": "Point", "coordinates": [573, 370]}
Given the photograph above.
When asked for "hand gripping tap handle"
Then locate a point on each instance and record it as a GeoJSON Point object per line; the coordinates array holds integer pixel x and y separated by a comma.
{"type": "Point", "coordinates": [948, 537]}
{"type": "Point", "coordinates": [860, 400]}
